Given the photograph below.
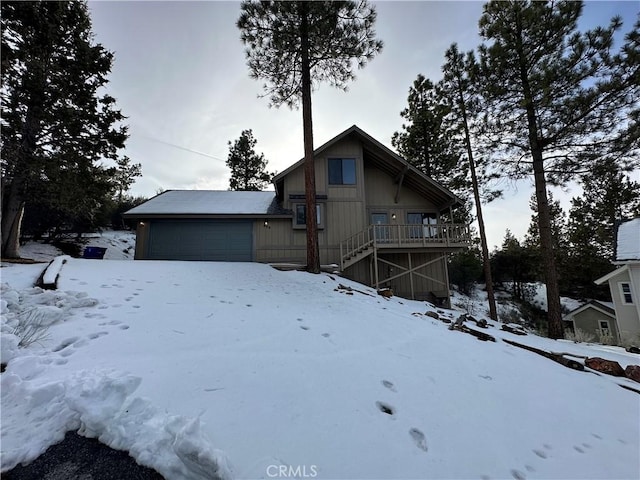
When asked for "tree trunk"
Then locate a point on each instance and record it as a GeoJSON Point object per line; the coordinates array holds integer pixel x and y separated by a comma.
{"type": "Point", "coordinates": [313, 257]}
{"type": "Point", "coordinates": [554, 311]}
{"type": "Point", "coordinates": [12, 213]}
{"type": "Point", "coordinates": [486, 264]}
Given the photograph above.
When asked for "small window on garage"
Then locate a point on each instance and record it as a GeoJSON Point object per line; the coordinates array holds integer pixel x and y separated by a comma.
{"type": "Point", "coordinates": [342, 171]}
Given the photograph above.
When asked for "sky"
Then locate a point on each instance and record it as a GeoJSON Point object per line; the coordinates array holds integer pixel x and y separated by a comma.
{"type": "Point", "coordinates": [273, 369]}
{"type": "Point", "coordinates": [180, 76]}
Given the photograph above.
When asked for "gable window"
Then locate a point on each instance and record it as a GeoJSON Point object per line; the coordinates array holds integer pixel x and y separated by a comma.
{"type": "Point", "coordinates": [342, 171]}
{"type": "Point", "coordinates": [300, 219]}
{"type": "Point", "coordinates": [625, 293]}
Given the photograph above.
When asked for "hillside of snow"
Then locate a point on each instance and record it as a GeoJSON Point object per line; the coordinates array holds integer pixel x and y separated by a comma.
{"type": "Point", "coordinates": [238, 370]}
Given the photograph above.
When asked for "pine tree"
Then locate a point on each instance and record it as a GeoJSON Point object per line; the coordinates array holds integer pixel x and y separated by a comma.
{"type": "Point", "coordinates": [460, 93]}
{"type": "Point", "coordinates": [609, 195]}
{"type": "Point", "coordinates": [292, 45]}
{"type": "Point", "coordinates": [514, 263]}
{"type": "Point", "coordinates": [424, 139]}
{"type": "Point", "coordinates": [248, 169]}
{"type": "Point", "coordinates": [125, 176]}
{"type": "Point", "coordinates": [556, 99]}
{"type": "Point", "coordinates": [56, 126]}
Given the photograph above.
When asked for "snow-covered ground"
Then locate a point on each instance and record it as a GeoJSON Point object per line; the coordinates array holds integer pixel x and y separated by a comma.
{"type": "Point", "coordinates": [120, 245]}
{"type": "Point", "coordinates": [236, 370]}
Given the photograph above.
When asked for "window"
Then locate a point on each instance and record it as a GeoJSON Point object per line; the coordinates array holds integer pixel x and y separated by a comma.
{"type": "Point", "coordinates": [423, 219]}
{"type": "Point", "coordinates": [342, 171]}
{"type": "Point", "coordinates": [625, 293]}
{"type": "Point", "coordinates": [604, 325]}
{"type": "Point", "coordinates": [300, 220]}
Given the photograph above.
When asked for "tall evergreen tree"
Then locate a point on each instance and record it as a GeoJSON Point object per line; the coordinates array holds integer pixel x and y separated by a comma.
{"type": "Point", "coordinates": [608, 196]}
{"type": "Point", "coordinates": [55, 122]}
{"type": "Point", "coordinates": [556, 100]}
{"type": "Point", "coordinates": [424, 139]}
{"type": "Point", "coordinates": [248, 169]}
{"type": "Point", "coordinates": [292, 45]}
{"type": "Point", "coordinates": [459, 92]}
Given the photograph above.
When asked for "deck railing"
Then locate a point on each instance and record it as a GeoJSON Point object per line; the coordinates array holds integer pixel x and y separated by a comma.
{"type": "Point", "coordinates": [405, 236]}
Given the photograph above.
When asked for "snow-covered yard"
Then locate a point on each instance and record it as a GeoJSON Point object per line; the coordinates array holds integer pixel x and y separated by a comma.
{"type": "Point", "coordinates": [242, 371]}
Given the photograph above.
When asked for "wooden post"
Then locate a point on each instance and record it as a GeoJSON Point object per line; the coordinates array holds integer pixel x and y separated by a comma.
{"type": "Point", "coordinates": [413, 296]}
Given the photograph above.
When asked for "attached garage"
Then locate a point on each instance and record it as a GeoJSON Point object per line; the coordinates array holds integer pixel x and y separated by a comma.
{"type": "Point", "coordinates": [209, 240]}
{"type": "Point", "coordinates": [204, 225]}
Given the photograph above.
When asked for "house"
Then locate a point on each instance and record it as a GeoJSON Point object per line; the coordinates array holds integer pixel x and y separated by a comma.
{"type": "Point", "coordinates": [597, 319]}
{"type": "Point", "coordinates": [380, 220]}
{"type": "Point", "coordinates": [624, 282]}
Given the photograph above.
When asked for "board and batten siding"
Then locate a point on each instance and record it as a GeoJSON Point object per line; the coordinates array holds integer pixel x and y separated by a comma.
{"type": "Point", "coordinates": [381, 197]}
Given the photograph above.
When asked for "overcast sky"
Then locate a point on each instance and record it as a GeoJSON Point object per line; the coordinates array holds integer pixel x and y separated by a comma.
{"type": "Point", "coordinates": [181, 79]}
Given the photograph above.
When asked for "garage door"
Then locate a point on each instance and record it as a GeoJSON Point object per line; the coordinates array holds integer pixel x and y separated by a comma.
{"type": "Point", "coordinates": [214, 240]}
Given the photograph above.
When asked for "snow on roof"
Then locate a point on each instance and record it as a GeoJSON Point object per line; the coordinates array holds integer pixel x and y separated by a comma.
{"type": "Point", "coordinates": [206, 202]}
{"type": "Point", "coordinates": [628, 247]}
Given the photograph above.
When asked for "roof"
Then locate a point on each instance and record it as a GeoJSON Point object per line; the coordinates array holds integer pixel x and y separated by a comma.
{"type": "Point", "coordinates": [628, 241]}
{"type": "Point", "coordinates": [209, 202]}
{"type": "Point", "coordinates": [603, 307]}
{"type": "Point", "coordinates": [610, 275]}
{"type": "Point", "coordinates": [388, 161]}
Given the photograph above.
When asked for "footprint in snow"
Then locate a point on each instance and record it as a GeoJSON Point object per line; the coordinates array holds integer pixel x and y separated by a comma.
{"type": "Point", "coordinates": [93, 336]}
{"type": "Point", "coordinates": [326, 335]}
{"type": "Point", "coordinates": [124, 327]}
{"type": "Point", "coordinates": [540, 453]}
{"type": "Point", "coordinates": [578, 449]}
{"type": "Point", "coordinates": [389, 385]}
{"type": "Point", "coordinates": [518, 475]}
{"type": "Point", "coordinates": [419, 439]}
{"type": "Point", "coordinates": [65, 343]}
{"type": "Point", "coordinates": [385, 408]}
{"type": "Point", "coordinates": [304, 327]}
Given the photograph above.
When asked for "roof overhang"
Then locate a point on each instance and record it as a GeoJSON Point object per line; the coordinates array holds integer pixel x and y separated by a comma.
{"type": "Point", "coordinates": [610, 275]}
{"type": "Point", "coordinates": [595, 305]}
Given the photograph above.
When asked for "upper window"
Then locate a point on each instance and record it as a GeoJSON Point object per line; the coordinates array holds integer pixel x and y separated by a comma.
{"type": "Point", "coordinates": [342, 171]}
{"type": "Point", "coordinates": [625, 292]}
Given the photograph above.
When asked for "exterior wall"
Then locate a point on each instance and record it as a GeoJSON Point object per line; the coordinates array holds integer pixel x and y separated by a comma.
{"type": "Point", "coordinates": [381, 193]}
{"type": "Point", "coordinates": [142, 239]}
{"type": "Point", "coordinates": [589, 319]}
{"type": "Point", "coordinates": [628, 316]}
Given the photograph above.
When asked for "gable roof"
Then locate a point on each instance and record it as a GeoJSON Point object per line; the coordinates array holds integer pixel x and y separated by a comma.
{"type": "Point", "coordinates": [611, 275]}
{"type": "Point", "coordinates": [603, 307]}
{"type": "Point", "coordinates": [628, 241]}
{"type": "Point", "coordinates": [209, 202]}
{"type": "Point", "coordinates": [388, 161]}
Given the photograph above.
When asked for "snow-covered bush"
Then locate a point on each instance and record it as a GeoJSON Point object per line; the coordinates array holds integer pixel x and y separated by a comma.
{"type": "Point", "coordinates": [579, 336]}
{"type": "Point", "coordinates": [33, 325]}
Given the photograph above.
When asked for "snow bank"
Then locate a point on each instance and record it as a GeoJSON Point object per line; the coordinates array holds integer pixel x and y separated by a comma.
{"type": "Point", "coordinates": [98, 403]}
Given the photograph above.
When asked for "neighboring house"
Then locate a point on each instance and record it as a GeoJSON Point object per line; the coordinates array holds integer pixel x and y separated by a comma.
{"type": "Point", "coordinates": [624, 282]}
{"type": "Point", "coordinates": [597, 319]}
{"type": "Point", "coordinates": [379, 220]}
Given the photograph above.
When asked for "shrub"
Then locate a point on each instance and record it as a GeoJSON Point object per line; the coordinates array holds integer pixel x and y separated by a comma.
{"type": "Point", "coordinates": [579, 336]}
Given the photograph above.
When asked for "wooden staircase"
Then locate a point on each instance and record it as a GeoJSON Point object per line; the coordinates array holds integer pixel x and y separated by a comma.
{"type": "Point", "coordinates": [357, 247]}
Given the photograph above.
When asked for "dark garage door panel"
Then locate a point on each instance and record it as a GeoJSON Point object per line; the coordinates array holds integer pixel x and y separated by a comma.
{"type": "Point", "coordinates": [222, 240]}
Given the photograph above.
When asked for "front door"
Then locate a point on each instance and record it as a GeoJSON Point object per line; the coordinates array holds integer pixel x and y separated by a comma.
{"type": "Point", "coordinates": [380, 221]}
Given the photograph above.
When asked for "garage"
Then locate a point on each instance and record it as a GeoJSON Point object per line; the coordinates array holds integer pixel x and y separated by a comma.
{"type": "Point", "coordinates": [201, 239]}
